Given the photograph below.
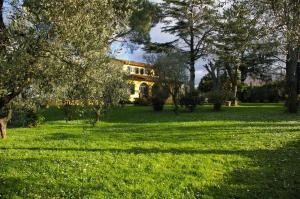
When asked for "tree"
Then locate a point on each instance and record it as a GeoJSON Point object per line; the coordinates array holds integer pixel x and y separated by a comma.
{"type": "Point", "coordinates": [170, 72]}
{"type": "Point", "coordinates": [216, 72]}
{"type": "Point", "coordinates": [283, 18]}
{"type": "Point", "coordinates": [241, 44]}
{"type": "Point", "coordinates": [145, 15]}
{"type": "Point", "coordinates": [205, 84]}
{"type": "Point", "coordinates": [44, 49]}
{"type": "Point", "coordinates": [105, 87]}
{"type": "Point", "coordinates": [191, 22]}
{"type": "Point", "coordinates": [3, 124]}
{"type": "Point", "coordinates": [3, 36]}
{"type": "Point", "coordinates": [159, 97]}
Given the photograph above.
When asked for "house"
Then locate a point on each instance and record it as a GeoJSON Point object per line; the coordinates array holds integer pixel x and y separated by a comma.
{"type": "Point", "coordinates": [141, 78]}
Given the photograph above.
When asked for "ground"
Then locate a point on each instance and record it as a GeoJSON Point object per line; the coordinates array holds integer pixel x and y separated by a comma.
{"type": "Point", "coordinates": [252, 151]}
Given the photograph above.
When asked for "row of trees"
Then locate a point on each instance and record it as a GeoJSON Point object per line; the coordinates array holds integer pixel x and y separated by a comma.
{"type": "Point", "coordinates": [237, 39]}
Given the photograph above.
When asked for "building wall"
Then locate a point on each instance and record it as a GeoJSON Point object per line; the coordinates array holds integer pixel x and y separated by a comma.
{"type": "Point", "coordinates": [139, 71]}
{"type": "Point", "coordinates": [139, 75]}
{"type": "Point", "coordinates": [137, 92]}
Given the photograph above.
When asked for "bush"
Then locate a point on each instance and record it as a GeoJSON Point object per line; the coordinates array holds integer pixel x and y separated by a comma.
{"type": "Point", "coordinates": [191, 100]}
{"type": "Point", "coordinates": [159, 97]}
{"type": "Point", "coordinates": [70, 111]}
{"type": "Point", "coordinates": [26, 117]}
{"type": "Point", "coordinates": [267, 93]}
{"type": "Point", "coordinates": [218, 98]}
{"type": "Point", "coordinates": [142, 101]}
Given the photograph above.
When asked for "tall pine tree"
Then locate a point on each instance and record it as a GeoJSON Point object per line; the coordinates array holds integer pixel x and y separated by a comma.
{"type": "Point", "coordinates": [191, 22]}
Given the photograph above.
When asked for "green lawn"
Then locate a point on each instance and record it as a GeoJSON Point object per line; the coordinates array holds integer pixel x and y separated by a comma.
{"type": "Point", "coordinates": [252, 151]}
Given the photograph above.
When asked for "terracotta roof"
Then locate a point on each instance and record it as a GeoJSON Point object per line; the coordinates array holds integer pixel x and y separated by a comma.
{"type": "Point", "coordinates": [133, 63]}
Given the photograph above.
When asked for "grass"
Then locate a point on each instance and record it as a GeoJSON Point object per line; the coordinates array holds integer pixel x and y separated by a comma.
{"type": "Point", "coordinates": [252, 151]}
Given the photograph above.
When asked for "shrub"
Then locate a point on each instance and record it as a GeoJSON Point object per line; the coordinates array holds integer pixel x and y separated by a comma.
{"type": "Point", "coordinates": [159, 97]}
{"type": "Point", "coordinates": [26, 117]}
{"type": "Point", "coordinates": [142, 101]}
{"type": "Point", "coordinates": [218, 98]}
{"type": "Point", "coordinates": [70, 111]}
{"type": "Point", "coordinates": [273, 92]}
{"type": "Point", "coordinates": [191, 100]}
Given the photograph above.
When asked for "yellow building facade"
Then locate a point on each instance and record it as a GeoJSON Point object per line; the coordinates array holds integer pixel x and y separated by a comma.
{"type": "Point", "coordinates": [141, 78]}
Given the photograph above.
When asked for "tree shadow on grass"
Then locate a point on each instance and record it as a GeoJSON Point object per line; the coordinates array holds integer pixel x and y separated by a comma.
{"type": "Point", "coordinates": [274, 174]}
{"type": "Point", "coordinates": [174, 133]}
{"type": "Point", "coordinates": [270, 173]}
{"type": "Point", "coordinates": [241, 114]}
{"type": "Point", "coordinates": [182, 133]}
{"type": "Point", "coordinates": [38, 187]}
{"type": "Point", "coordinates": [140, 115]}
{"type": "Point", "coordinates": [62, 136]}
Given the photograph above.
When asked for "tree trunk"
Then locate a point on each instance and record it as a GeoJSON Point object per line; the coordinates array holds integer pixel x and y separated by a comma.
{"type": "Point", "coordinates": [3, 124]}
{"type": "Point", "coordinates": [298, 75]}
{"type": "Point", "coordinates": [235, 86]}
{"type": "Point", "coordinates": [192, 59]}
{"type": "Point", "coordinates": [192, 76]}
{"type": "Point", "coordinates": [176, 107]}
{"type": "Point", "coordinates": [291, 80]}
{"type": "Point", "coordinates": [98, 115]}
{"type": "Point", "coordinates": [235, 98]}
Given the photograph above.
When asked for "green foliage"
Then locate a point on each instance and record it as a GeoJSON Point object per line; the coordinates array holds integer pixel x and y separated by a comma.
{"type": "Point", "coordinates": [272, 92]}
{"type": "Point", "coordinates": [191, 99]}
{"type": "Point", "coordinates": [283, 19]}
{"type": "Point", "coordinates": [243, 45]}
{"type": "Point", "coordinates": [143, 18]}
{"type": "Point", "coordinates": [26, 117]}
{"type": "Point", "coordinates": [159, 97]}
{"type": "Point", "coordinates": [191, 23]}
{"type": "Point", "coordinates": [142, 101]}
{"type": "Point", "coordinates": [171, 73]}
{"type": "Point", "coordinates": [218, 98]}
{"type": "Point", "coordinates": [25, 111]}
{"type": "Point", "coordinates": [47, 50]}
{"type": "Point", "coordinates": [70, 111]}
{"type": "Point", "coordinates": [206, 84]}
{"type": "Point", "coordinates": [251, 151]}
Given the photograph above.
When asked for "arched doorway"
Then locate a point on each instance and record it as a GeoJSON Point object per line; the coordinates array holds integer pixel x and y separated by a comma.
{"type": "Point", "coordinates": [144, 90]}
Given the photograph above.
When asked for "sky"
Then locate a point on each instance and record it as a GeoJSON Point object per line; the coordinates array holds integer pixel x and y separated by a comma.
{"type": "Point", "coordinates": [123, 52]}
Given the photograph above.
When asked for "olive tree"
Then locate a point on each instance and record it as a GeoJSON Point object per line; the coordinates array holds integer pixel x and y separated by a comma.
{"type": "Point", "coordinates": [171, 73]}
{"type": "Point", "coordinates": [104, 87]}
{"type": "Point", "coordinates": [50, 43]}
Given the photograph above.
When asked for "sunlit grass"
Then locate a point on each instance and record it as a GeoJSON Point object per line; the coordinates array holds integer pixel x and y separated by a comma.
{"type": "Point", "coordinates": [250, 151]}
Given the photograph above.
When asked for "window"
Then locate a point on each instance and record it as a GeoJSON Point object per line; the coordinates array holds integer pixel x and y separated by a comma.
{"type": "Point", "coordinates": [132, 89]}
{"type": "Point", "coordinates": [144, 90]}
{"type": "Point", "coordinates": [142, 71]}
{"type": "Point", "coordinates": [137, 71]}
